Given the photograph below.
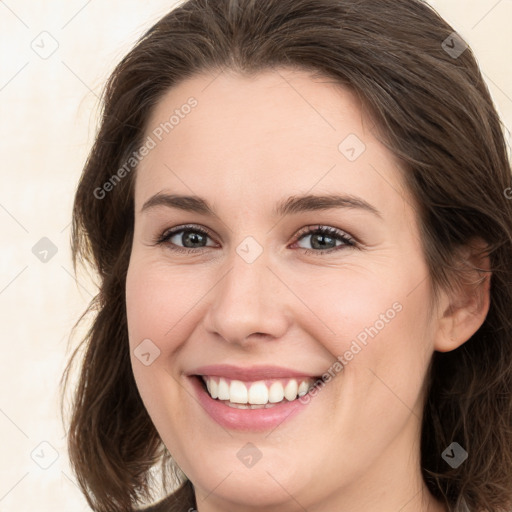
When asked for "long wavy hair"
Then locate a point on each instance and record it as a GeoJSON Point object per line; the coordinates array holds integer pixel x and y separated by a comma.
{"type": "Point", "coordinates": [433, 111]}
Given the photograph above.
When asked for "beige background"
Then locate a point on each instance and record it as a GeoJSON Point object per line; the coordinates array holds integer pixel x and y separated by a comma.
{"type": "Point", "coordinates": [47, 124]}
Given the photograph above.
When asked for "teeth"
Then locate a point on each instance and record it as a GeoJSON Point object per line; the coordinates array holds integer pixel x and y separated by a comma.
{"type": "Point", "coordinates": [237, 392]}
{"type": "Point", "coordinates": [256, 395]}
{"type": "Point", "coordinates": [290, 391]}
{"type": "Point", "coordinates": [303, 388]}
{"type": "Point", "coordinates": [250, 406]}
{"type": "Point", "coordinates": [213, 388]}
{"type": "Point", "coordinates": [276, 393]}
{"type": "Point", "coordinates": [223, 390]}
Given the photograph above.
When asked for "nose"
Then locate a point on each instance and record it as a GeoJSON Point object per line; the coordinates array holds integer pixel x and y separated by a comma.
{"type": "Point", "coordinates": [249, 303]}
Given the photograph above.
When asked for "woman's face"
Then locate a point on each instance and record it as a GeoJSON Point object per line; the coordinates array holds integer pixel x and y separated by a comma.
{"type": "Point", "coordinates": [255, 290]}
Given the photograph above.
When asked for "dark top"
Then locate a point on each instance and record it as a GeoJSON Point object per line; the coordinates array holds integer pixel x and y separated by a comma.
{"type": "Point", "coordinates": [181, 500]}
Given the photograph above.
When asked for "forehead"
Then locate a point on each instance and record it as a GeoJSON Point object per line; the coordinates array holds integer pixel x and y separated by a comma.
{"type": "Point", "coordinates": [248, 140]}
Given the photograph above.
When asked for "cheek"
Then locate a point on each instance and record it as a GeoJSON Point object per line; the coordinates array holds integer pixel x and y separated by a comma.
{"type": "Point", "coordinates": [387, 354]}
{"type": "Point", "coordinates": [376, 325]}
{"type": "Point", "coordinates": [149, 302]}
{"type": "Point", "coordinates": [154, 305]}
{"type": "Point", "coordinates": [156, 300]}
{"type": "Point", "coordinates": [354, 304]}
{"type": "Point", "coordinates": [160, 307]}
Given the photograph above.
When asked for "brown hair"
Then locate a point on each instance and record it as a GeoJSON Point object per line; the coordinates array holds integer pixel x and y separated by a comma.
{"type": "Point", "coordinates": [435, 114]}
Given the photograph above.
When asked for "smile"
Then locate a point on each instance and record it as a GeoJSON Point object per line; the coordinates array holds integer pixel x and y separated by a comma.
{"type": "Point", "coordinates": [233, 403]}
{"type": "Point", "coordinates": [256, 394]}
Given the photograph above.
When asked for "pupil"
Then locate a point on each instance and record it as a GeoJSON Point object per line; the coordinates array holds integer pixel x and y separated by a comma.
{"type": "Point", "coordinates": [192, 237]}
{"type": "Point", "coordinates": [320, 245]}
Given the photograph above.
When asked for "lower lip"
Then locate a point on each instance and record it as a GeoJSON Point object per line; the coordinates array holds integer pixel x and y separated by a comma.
{"type": "Point", "coordinates": [246, 419]}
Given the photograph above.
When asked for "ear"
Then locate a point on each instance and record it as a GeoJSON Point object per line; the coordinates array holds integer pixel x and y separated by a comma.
{"type": "Point", "coordinates": [462, 310]}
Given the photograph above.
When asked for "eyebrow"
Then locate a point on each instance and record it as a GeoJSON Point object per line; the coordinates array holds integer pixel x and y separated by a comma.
{"type": "Point", "coordinates": [292, 205]}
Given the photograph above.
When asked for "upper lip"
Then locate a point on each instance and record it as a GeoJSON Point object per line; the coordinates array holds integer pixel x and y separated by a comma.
{"type": "Point", "coordinates": [248, 373]}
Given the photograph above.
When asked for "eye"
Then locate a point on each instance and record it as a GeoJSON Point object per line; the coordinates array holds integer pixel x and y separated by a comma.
{"type": "Point", "coordinates": [321, 237]}
{"type": "Point", "coordinates": [192, 235]}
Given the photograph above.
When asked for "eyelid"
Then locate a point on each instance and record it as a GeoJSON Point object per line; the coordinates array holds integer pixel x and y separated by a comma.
{"type": "Point", "coordinates": [167, 233]}
{"type": "Point", "coordinates": [314, 228]}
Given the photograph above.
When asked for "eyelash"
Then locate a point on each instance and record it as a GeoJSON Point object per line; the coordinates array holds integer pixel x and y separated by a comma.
{"type": "Point", "coordinates": [322, 230]}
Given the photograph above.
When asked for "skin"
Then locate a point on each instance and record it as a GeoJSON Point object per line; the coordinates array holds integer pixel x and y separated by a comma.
{"type": "Point", "coordinates": [247, 145]}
